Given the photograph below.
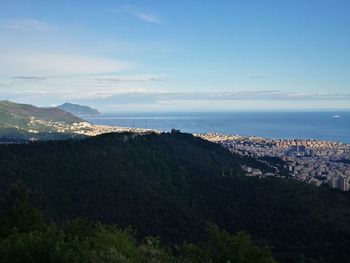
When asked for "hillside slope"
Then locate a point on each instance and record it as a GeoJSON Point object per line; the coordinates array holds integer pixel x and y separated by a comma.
{"type": "Point", "coordinates": [24, 121]}
{"type": "Point", "coordinates": [171, 185]}
{"type": "Point", "coordinates": [15, 111]}
{"type": "Point", "coordinates": [78, 110]}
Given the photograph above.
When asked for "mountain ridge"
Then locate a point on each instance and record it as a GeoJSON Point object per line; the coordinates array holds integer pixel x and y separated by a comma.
{"type": "Point", "coordinates": [78, 110]}
{"type": "Point", "coordinates": [48, 114]}
{"type": "Point", "coordinates": [24, 121]}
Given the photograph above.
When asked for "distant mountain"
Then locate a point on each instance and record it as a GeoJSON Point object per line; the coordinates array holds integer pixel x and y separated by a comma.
{"type": "Point", "coordinates": [79, 110]}
{"type": "Point", "coordinates": [24, 120]}
{"type": "Point", "coordinates": [16, 111]}
{"type": "Point", "coordinates": [172, 185]}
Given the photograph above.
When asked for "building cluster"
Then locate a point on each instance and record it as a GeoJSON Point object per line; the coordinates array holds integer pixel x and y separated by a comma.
{"type": "Point", "coordinates": [317, 162]}
{"type": "Point", "coordinates": [250, 171]}
{"type": "Point", "coordinates": [94, 130]}
{"type": "Point", "coordinates": [39, 125]}
{"type": "Point", "coordinates": [83, 128]}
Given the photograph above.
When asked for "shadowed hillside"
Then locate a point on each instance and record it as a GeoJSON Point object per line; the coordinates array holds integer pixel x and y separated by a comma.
{"type": "Point", "coordinates": [172, 185]}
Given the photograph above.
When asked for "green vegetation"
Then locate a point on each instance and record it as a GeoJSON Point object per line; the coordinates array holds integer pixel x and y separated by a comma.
{"type": "Point", "coordinates": [171, 186]}
{"type": "Point", "coordinates": [8, 135]}
{"type": "Point", "coordinates": [18, 121]}
{"type": "Point", "coordinates": [25, 236]}
{"type": "Point", "coordinates": [21, 112]}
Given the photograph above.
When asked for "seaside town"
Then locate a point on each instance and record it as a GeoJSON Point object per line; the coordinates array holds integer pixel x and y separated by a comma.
{"type": "Point", "coordinates": [316, 162]}
{"type": "Point", "coordinates": [82, 128]}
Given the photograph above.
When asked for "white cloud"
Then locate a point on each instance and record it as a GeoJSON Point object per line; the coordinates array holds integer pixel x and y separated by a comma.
{"type": "Point", "coordinates": [57, 89]}
{"type": "Point", "coordinates": [29, 25]}
{"type": "Point", "coordinates": [131, 78]}
{"type": "Point", "coordinates": [141, 89]}
{"type": "Point", "coordinates": [48, 64]}
{"type": "Point", "coordinates": [266, 95]}
{"type": "Point", "coordinates": [145, 16]}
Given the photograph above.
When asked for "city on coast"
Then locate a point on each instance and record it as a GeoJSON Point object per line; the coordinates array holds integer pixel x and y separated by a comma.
{"type": "Point", "coordinates": [313, 161]}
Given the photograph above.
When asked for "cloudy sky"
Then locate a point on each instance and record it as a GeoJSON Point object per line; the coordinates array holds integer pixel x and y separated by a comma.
{"type": "Point", "coordinates": [183, 55]}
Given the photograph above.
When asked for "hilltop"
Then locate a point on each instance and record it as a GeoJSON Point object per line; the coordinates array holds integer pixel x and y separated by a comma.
{"type": "Point", "coordinates": [172, 185]}
{"type": "Point", "coordinates": [79, 110]}
{"type": "Point", "coordinates": [23, 121]}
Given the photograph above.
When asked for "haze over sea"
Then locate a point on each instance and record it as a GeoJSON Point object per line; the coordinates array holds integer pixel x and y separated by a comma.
{"type": "Point", "coordinates": [320, 125]}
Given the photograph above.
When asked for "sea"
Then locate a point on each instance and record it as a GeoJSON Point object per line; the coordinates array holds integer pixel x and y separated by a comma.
{"type": "Point", "coordinates": [318, 125]}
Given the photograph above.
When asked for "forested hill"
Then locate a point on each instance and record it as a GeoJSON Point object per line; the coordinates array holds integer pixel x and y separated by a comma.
{"type": "Point", "coordinates": [172, 185]}
{"type": "Point", "coordinates": [23, 121]}
{"type": "Point", "coordinates": [18, 115]}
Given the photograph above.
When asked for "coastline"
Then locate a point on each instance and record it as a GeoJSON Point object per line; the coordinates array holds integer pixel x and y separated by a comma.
{"type": "Point", "coordinates": [320, 126]}
{"type": "Point", "coordinates": [95, 129]}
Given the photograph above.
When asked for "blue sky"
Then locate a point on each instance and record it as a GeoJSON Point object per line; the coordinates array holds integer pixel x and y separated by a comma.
{"type": "Point", "coordinates": [163, 55]}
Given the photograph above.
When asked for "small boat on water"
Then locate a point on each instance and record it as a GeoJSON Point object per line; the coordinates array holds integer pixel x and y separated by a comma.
{"type": "Point", "coordinates": [336, 116]}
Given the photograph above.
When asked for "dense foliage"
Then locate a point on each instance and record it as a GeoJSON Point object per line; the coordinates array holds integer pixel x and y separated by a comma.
{"type": "Point", "coordinates": [26, 237]}
{"type": "Point", "coordinates": [171, 186]}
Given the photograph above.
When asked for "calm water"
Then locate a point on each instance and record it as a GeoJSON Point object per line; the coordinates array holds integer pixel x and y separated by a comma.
{"type": "Point", "coordinates": [303, 125]}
